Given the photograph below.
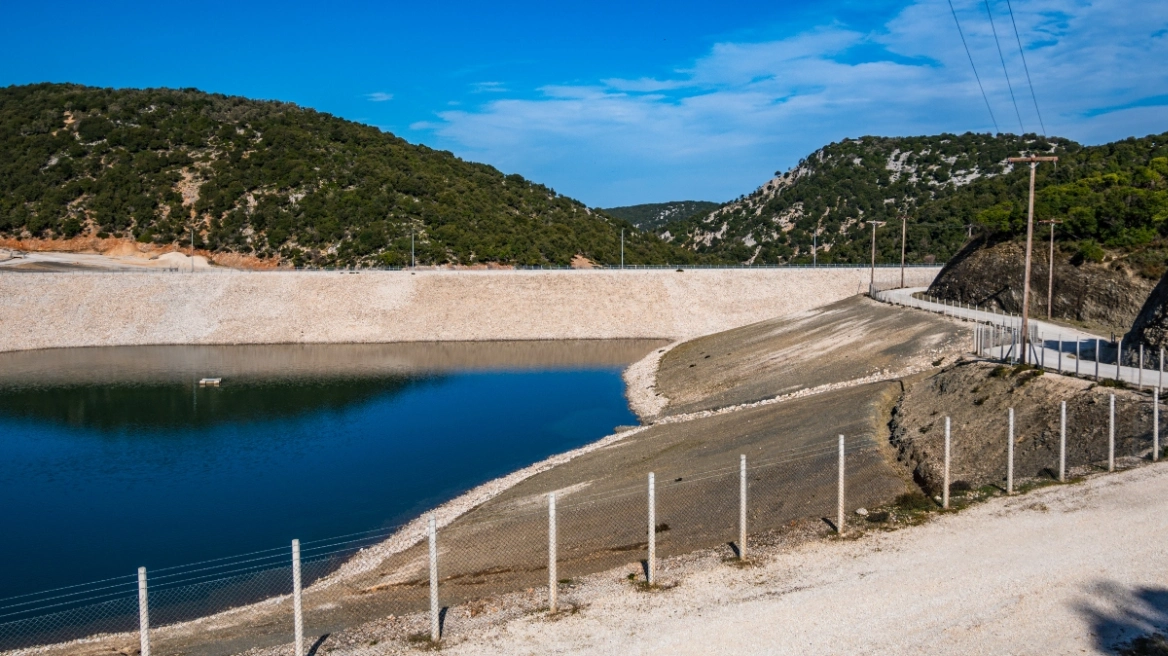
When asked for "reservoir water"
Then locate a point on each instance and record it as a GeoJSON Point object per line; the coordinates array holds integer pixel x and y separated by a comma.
{"type": "Point", "coordinates": [115, 458]}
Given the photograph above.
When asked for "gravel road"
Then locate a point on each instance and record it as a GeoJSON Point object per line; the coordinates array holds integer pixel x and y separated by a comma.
{"type": "Point", "coordinates": [1062, 570]}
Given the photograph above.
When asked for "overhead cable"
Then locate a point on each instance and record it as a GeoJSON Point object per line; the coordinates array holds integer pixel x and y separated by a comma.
{"type": "Point", "coordinates": [974, 67]}
{"type": "Point", "coordinates": [1026, 68]}
{"type": "Point", "coordinates": [1004, 70]}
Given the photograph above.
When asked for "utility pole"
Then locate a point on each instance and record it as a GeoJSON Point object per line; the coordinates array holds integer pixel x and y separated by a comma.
{"type": "Point", "coordinates": [903, 234]}
{"type": "Point", "coordinates": [815, 245]}
{"type": "Point", "coordinates": [622, 248]}
{"type": "Point", "coordinates": [872, 279]}
{"type": "Point", "coordinates": [413, 263]}
{"type": "Point", "coordinates": [1033, 161]}
{"type": "Point", "coordinates": [1050, 265]}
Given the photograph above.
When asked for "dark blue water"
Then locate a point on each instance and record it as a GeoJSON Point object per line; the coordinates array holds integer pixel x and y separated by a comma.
{"type": "Point", "coordinates": [100, 478]}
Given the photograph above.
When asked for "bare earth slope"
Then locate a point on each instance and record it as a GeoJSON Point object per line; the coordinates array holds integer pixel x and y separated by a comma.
{"type": "Point", "coordinates": [1065, 570]}
{"type": "Point", "coordinates": [847, 340]}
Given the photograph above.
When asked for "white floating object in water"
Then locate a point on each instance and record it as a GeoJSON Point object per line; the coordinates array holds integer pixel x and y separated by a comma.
{"type": "Point", "coordinates": [210, 382]}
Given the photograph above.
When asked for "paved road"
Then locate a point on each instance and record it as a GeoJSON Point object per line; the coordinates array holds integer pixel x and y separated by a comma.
{"type": "Point", "coordinates": [1064, 349]}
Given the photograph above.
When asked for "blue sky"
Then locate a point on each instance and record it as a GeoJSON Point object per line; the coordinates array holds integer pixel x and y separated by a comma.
{"type": "Point", "coordinates": [630, 102]}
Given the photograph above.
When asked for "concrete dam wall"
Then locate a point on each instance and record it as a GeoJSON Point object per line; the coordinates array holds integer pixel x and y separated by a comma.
{"type": "Point", "coordinates": [52, 310]}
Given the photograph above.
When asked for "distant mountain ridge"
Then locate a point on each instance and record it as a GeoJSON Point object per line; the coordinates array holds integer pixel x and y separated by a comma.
{"type": "Point", "coordinates": [275, 181]}
{"type": "Point", "coordinates": [650, 216]}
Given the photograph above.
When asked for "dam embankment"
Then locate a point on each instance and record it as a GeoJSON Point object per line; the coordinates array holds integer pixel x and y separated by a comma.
{"type": "Point", "coordinates": [54, 310]}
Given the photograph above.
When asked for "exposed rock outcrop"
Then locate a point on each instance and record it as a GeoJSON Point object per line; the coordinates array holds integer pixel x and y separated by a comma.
{"type": "Point", "coordinates": [1103, 296]}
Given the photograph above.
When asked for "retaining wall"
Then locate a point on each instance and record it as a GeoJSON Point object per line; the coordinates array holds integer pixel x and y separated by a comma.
{"type": "Point", "coordinates": [48, 310]}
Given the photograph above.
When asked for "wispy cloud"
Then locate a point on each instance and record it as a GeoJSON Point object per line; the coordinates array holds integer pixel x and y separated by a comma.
{"type": "Point", "coordinates": [379, 96]}
{"type": "Point", "coordinates": [719, 125]}
{"type": "Point", "coordinates": [488, 87]}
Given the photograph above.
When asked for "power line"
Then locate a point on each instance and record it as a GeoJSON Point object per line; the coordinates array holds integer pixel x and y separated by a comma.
{"type": "Point", "coordinates": [971, 65]}
{"type": "Point", "coordinates": [1026, 68]}
{"type": "Point", "coordinates": [1004, 70]}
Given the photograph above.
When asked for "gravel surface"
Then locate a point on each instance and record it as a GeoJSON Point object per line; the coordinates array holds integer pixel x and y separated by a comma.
{"type": "Point", "coordinates": [49, 310]}
{"type": "Point", "coordinates": [1061, 570]}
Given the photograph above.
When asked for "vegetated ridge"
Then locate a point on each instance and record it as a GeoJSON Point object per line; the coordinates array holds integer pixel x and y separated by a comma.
{"type": "Point", "coordinates": [1110, 197]}
{"type": "Point", "coordinates": [1110, 247]}
{"type": "Point", "coordinates": [651, 216]}
{"type": "Point", "coordinates": [276, 181]}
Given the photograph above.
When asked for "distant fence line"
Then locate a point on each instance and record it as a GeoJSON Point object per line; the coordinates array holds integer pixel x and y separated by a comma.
{"type": "Point", "coordinates": [82, 269]}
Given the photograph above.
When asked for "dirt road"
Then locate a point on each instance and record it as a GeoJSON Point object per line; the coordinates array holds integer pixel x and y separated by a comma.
{"type": "Point", "coordinates": [1064, 570]}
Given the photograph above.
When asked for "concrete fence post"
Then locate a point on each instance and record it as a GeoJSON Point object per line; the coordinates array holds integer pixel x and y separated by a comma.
{"type": "Point", "coordinates": [297, 607]}
{"type": "Point", "coordinates": [945, 488]}
{"type": "Point", "coordinates": [1077, 356]}
{"type": "Point", "coordinates": [1118, 358]}
{"type": "Point", "coordinates": [651, 564]}
{"type": "Point", "coordinates": [553, 579]}
{"type": "Point", "coordinates": [839, 511]}
{"type": "Point", "coordinates": [742, 507]}
{"type": "Point", "coordinates": [1097, 355]}
{"type": "Point", "coordinates": [1111, 435]}
{"type": "Point", "coordinates": [143, 613]}
{"type": "Point", "coordinates": [1140, 376]}
{"type": "Point", "coordinates": [1010, 456]}
{"type": "Point", "coordinates": [435, 627]}
{"type": "Point", "coordinates": [1155, 424]}
{"type": "Point", "coordinates": [1060, 353]}
{"type": "Point", "coordinates": [1063, 442]}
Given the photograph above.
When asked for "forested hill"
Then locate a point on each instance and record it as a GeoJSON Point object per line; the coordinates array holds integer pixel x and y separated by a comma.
{"type": "Point", "coordinates": [1112, 196]}
{"type": "Point", "coordinates": [651, 216]}
{"type": "Point", "coordinates": [272, 179]}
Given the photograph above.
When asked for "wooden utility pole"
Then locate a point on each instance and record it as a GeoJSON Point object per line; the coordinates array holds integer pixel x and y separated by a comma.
{"type": "Point", "coordinates": [1050, 265]}
{"type": "Point", "coordinates": [903, 234]}
{"type": "Point", "coordinates": [872, 279]}
{"type": "Point", "coordinates": [1033, 161]}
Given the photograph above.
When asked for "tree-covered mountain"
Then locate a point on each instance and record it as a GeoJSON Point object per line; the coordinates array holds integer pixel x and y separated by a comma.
{"type": "Point", "coordinates": [651, 216]}
{"type": "Point", "coordinates": [948, 186]}
{"type": "Point", "coordinates": [272, 179]}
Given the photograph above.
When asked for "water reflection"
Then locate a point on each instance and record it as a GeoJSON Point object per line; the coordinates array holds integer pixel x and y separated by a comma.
{"type": "Point", "coordinates": [113, 458]}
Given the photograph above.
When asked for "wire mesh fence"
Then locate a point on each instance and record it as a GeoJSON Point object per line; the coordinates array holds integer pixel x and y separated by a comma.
{"type": "Point", "coordinates": [505, 558]}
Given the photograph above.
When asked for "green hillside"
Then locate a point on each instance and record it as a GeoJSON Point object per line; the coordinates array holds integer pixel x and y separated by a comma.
{"type": "Point", "coordinates": [651, 216]}
{"type": "Point", "coordinates": [271, 178]}
{"type": "Point", "coordinates": [949, 186]}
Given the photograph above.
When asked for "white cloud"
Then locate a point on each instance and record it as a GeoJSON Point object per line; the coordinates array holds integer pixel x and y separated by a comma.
{"type": "Point", "coordinates": [379, 96]}
{"type": "Point", "coordinates": [725, 122]}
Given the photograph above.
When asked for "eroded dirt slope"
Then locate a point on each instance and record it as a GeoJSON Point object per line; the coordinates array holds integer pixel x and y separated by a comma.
{"type": "Point", "coordinates": [844, 341]}
{"type": "Point", "coordinates": [977, 397]}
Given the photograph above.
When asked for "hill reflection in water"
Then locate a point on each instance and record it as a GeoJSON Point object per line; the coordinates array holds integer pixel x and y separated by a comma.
{"type": "Point", "coordinates": [113, 458]}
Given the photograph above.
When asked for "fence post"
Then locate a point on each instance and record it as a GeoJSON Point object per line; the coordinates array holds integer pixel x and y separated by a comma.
{"type": "Point", "coordinates": [1077, 356]}
{"type": "Point", "coordinates": [945, 489]}
{"type": "Point", "coordinates": [742, 507]}
{"type": "Point", "coordinates": [1111, 435]}
{"type": "Point", "coordinates": [1010, 457]}
{"type": "Point", "coordinates": [839, 511]}
{"type": "Point", "coordinates": [651, 564]}
{"type": "Point", "coordinates": [1060, 353]}
{"type": "Point", "coordinates": [143, 613]}
{"type": "Point", "coordinates": [1155, 424]}
{"type": "Point", "coordinates": [1140, 378]}
{"type": "Point", "coordinates": [553, 580]}
{"type": "Point", "coordinates": [1118, 357]}
{"type": "Point", "coordinates": [1096, 359]}
{"type": "Point", "coordinates": [435, 628]}
{"type": "Point", "coordinates": [1063, 442]}
{"type": "Point", "coordinates": [297, 608]}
